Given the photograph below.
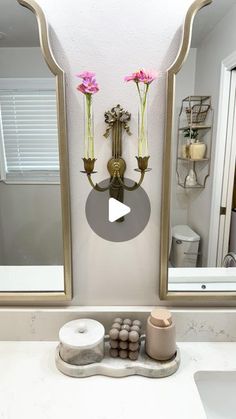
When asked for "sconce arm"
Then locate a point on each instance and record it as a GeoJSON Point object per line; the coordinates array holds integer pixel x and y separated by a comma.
{"type": "Point", "coordinates": [136, 184]}
{"type": "Point", "coordinates": [99, 188]}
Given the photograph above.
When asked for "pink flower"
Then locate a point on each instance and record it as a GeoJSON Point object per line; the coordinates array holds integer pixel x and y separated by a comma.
{"type": "Point", "coordinates": [88, 87]}
{"type": "Point", "coordinates": [130, 78]}
{"type": "Point", "coordinates": [133, 77]}
{"type": "Point", "coordinates": [89, 84]}
{"type": "Point", "coordinates": [86, 75]}
{"type": "Point", "coordinates": [142, 76]}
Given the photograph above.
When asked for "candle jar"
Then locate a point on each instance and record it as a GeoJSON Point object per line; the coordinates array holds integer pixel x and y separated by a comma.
{"type": "Point", "coordinates": [197, 150]}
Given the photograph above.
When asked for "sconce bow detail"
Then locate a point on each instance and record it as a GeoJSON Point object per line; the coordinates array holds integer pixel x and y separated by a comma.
{"type": "Point", "coordinates": [117, 120]}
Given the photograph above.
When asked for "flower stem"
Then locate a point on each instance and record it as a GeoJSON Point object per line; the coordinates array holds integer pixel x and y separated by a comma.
{"type": "Point", "coordinates": [142, 141]}
{"type": "Point", "coordinates": [89, 137]}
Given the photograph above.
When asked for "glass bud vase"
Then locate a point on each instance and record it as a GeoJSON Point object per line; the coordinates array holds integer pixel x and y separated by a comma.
{"type": "Point", "coordinates": [88, 127]}
{"type": "Point", "coordinates": [142, 127]}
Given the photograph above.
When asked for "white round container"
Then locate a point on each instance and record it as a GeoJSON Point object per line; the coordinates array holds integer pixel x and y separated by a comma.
{"type": "Point", "coordinates": [82, 342]}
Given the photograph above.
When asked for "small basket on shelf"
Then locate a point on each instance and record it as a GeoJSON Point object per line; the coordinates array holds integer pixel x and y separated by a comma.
{"type": "Point", "coordinates": [197, 114]}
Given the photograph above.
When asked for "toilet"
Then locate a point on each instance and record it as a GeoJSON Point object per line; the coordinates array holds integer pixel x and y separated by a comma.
{"type": "Point", "coordinates": [185, 245]}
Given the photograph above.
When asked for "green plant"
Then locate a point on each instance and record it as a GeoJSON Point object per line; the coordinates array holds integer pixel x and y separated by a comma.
{"type": "Point", "coordinates": [191, 133]}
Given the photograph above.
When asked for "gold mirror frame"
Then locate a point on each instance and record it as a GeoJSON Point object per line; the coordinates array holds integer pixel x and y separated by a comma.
{"type": "Point", "coordinates": [166, 180]}
{"type": "Point", "coordinates": [66, 295]}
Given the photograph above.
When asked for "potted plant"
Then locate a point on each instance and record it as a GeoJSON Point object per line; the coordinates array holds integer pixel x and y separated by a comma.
{"type": "Point", "coordinates": [191, 133]}
{"type": "Point", "coordinates": [191, 136]}
{"type": "Point", "coordinates": [194, 149]}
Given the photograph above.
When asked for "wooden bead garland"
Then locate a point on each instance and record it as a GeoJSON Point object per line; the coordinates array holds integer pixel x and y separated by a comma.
{"type": "Point", "coordinates": [125, 338]}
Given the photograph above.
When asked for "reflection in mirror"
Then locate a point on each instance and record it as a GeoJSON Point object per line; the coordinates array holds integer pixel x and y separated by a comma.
{"type": "Point", "coordinates": [31, 244]}
{"type": "Point", "coordinates": [203, 188]}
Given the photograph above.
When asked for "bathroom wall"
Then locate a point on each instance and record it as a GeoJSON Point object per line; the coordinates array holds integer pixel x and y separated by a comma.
{"type": "Point", "coordinates": [217, 46]}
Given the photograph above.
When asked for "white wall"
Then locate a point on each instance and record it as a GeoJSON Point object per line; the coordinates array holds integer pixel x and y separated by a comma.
{"type": "Point", "coordinates": [114, 38]}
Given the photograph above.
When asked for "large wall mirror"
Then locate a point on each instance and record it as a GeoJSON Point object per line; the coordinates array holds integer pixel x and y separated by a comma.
{"type": "Point", "coordinates": [35, 252]}
{"type": "Point", "coordinates": [198, 249]}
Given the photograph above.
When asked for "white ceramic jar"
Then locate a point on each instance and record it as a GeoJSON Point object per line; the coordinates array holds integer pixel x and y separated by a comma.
{"type": "Point", "coordinates": [82, 342]}
{"type": "Point", "coordinates": [197, 150]}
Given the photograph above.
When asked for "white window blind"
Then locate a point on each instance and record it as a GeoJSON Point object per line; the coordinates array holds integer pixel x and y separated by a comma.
{"type": "Point", "coordinates": [29, 135]}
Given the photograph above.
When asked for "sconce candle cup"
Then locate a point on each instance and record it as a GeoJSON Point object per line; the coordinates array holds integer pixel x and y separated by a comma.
{"type": "Point", "coordinates": [89, 165]}
{"type": "Point", "coordinates": [143, 163]}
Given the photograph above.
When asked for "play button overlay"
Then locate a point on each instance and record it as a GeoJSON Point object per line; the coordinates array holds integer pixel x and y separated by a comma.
{"type": "Point", "coordinates": [117, 210]}
{"type": "Point", "coordinates": [117, 221]}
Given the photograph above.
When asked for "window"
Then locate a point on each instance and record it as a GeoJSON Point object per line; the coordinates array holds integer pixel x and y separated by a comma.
{"type": "Point", "coordinates": [29, 135]}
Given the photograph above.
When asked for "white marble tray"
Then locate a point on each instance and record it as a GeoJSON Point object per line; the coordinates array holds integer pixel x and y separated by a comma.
{"type": "Point", "coordinates": [117, 367]}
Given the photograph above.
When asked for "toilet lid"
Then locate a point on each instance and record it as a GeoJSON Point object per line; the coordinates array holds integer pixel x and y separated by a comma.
{"type": "Point", "coordinates": [184, 233]}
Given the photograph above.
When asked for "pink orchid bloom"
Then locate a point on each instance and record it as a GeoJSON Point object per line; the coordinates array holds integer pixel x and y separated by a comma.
{"type": "Point", "coordinates": [142, 76]}
{"type": "Point", "coordinates": [89, 87]}
{"type": "Point", "coordinates": [89, 84]}
{"type": "Point", "coordinates": [86, 75]}
{"type": "Point", "coordinates": [132, 77]}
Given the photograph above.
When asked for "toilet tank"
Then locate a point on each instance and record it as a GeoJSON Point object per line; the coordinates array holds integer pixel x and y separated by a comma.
{"type": "Point", "coordinates": [185, 245]}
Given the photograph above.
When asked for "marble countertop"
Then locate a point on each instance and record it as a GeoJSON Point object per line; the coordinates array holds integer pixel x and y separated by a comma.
{"type": "Point", "coordinates": [32, 387]}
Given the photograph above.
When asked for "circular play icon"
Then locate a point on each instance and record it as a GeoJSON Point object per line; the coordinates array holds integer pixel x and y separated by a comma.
{"type": "Point", "coordinates": [121, 219]}
{"type": "Point", "coordinates": [117, 210]}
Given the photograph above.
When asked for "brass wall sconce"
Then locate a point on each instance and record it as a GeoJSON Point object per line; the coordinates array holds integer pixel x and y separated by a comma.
{"type": "Point", "coordinates": [117, 120]}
